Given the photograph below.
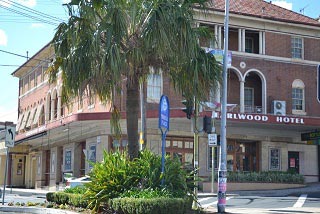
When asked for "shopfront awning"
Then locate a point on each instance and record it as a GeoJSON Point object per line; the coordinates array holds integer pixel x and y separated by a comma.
{"type": "Point", "coordinates": [37, 115]}
{"type": "Point", "coordinates": [20, 121]}
{"type": "Point", "coordinates": [31, 116]}
{"type": "Point", "coordinates": [24, 120]}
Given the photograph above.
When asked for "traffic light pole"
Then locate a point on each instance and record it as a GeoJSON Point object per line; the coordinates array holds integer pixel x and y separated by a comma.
{"type": "Point", "coordinates": [195, 156]}
{"type": "Point", "coordinates": [222, 173]}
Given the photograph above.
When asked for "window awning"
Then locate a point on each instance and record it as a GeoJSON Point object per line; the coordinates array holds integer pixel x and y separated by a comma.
{"type": "Point", "coordinates": [24, 120]}
{"type": "Point", "coordinates": [31, 116]}
{"type": "Point", "coordinates": [37, 114]}
{"type": "Point", "coordinates": [20, 121]}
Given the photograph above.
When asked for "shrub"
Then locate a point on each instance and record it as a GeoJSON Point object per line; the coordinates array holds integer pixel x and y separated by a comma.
{"type": "Point", "coordinates": [116, 175]}
{"type": "Point", "coordinates": [76, 190]}
{"type": "Point", "coordinates": [76, 200]}
{"type": "Point", "coordinates": [150, 206]}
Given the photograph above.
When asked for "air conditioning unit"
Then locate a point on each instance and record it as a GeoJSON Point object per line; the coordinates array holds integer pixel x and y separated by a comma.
{"type": "Point", "coordinates": [278, 107]}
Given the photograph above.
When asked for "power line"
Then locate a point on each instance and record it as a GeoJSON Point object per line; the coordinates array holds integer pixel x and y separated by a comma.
{"type": "Point", "coordinates": [28, 15]}
{"type": "Point", "coordinates": [26, 66]}
{"type": "Point", "coordinates": [15, 54]}
{"type": "Point", "coordinates": [20, 6]}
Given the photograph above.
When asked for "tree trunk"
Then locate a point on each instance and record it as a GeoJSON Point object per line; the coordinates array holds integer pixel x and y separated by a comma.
{"type": "Point", "coordinates": [132, 111]}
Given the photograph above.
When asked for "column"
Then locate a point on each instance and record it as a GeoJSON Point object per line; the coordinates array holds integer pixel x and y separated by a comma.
{"type": "Point", "coordinates": [52, 108]}
{"type": "Point", "coordinates": [216, 36]}
{"type": "Point", "coordinates": [59, 107]}
{"type": "Point", "coordinates": [241, 96]}
{"type": "Point", "coordinates": [260, 42]}
{"type": "Point", "coordinates": [219, 37]}
{"type": "Point", "coordinates": [239, 40]}
{"type": "Point", "coordinates": [264, 43]}
{"type": "Point", "coordinates": [243, 38]}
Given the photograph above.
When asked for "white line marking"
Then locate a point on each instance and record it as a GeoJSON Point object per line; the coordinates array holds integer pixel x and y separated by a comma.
{"type": "Point", "coordinates": [204, 199]}
{"type": "Point", "coordinates": [300, 200]}
{"type": "Point", "coordinates": [213, 203]}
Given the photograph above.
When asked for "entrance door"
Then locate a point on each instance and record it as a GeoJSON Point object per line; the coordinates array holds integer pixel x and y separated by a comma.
{"type": "Point", "coordinates": [293, 161]}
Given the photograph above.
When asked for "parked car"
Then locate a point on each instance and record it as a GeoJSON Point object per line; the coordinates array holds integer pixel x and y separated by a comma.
{"type": "Point", "coordinates": [73, 182]}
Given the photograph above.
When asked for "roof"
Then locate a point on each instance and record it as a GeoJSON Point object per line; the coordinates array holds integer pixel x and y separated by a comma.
{"type": "Point", "coordinates": [262, 9]}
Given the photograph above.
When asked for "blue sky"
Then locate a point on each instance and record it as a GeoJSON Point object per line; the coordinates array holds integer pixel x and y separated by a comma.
{"type": "Point", "coordinates": [23, 30]}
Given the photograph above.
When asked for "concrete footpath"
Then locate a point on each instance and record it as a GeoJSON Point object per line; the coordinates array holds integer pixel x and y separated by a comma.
{"type": "Point", "coordinates": [15, 195]}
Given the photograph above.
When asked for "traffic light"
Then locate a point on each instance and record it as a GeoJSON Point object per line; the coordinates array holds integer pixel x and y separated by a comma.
{"type": "Point", "coordinates": [188, 109]}
{"type": "Point", "coordinates": [207, 125]}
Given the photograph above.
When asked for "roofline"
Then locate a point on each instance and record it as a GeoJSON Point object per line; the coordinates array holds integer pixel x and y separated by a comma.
{"type": "Point", "coordinates": [31, 58]}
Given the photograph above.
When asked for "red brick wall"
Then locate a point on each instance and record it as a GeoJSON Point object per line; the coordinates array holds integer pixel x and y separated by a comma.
{"type": "Point", "coordinates": [312, 49]}
{"type": "Point", "coordinates": [278, 45]}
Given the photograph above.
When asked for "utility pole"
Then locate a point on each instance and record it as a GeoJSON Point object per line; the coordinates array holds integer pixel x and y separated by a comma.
{"type": "Point", "coordinates": [222, 173]}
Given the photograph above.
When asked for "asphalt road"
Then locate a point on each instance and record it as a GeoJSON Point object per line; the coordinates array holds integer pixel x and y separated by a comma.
{"type": "Point", "coordinates": [303, 201]}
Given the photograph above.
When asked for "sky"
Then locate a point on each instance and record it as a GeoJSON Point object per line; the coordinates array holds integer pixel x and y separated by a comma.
{"type": "Point", "coordinates": [28, 25]}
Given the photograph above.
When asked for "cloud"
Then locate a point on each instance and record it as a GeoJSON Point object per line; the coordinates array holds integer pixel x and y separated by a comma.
{"type": "Point", "coordinates": [3, 38]}
{"type": "Point", "coordinates": [283, 4]}
{"type": "Point", "coordinates": [28, 3]}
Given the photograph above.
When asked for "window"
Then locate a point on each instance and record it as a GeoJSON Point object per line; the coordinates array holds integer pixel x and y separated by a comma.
{"type": "Point", "coordinates": [248, 99]}
{"type": "Point", "coordinates": [154, 87]}
{"type": "Point", "coordinates": [181, 148]}
{"type": "Point", "coordinates": [249, 45]}
{"type": "Point", "coordinates": [119, 144]}
{"type": "Point", "coordinates": [298, 96]}
{"type": "Point", "coordinates": [274, 159]}
{"type": "Point", "coordinates": [297, 47]}
{"type": "Point", "coordinates": [67, 160]}
{"type": "Point", "coordinates": [92, 155]}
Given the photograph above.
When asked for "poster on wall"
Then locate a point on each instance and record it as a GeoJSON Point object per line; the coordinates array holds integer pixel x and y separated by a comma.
{"type": "Point", "coordinates": [274, 159]}
{"type": "Point", "coordinates": [19, 169]}
{"type": "Point", "coordinates": [292, 162]}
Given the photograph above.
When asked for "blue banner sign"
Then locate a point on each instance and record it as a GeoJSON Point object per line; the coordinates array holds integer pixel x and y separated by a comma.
{"type": "Point", "coordinates": [164, 112]}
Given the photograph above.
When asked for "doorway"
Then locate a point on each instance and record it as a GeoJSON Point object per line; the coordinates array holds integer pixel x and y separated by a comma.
{"type": "Point", "coordinates": [293, 162]}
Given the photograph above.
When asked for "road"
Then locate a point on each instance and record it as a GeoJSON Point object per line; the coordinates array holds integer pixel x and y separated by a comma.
{"type": "Point", "coordinates": [291, 203]}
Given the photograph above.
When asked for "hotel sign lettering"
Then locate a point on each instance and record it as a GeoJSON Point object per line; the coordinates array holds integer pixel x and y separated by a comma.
{"type": "Point", "coordinates": [265, 118]}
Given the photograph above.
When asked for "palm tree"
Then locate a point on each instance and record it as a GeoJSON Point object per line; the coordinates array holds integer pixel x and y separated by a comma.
{"type": "Point", "coordinates": [108, 41]}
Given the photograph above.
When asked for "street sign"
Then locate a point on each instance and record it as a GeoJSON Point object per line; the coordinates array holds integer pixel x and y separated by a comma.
{"type": "Point", "coordinates": [218, 55]}
{"type": "Point", "coordinates": [164, 112]}
{"type": "Point", "coordinates": [10, 135]}
{"type": "Point", "coordinates": [212, 140]}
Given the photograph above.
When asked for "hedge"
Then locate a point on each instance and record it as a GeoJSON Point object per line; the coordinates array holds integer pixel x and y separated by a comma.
{"type": "Point", "coordinates": [150, 206]}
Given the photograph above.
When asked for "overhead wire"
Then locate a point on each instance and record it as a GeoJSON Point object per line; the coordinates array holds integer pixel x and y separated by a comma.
{"type": "Point", "coordinates": [7, 52]}
{"type": "Point", "coordinates": [28, 15]}
{"type": "Point", "coordinates": [27, 9]}
{"type": "Point", "coordinates": [24, 11]}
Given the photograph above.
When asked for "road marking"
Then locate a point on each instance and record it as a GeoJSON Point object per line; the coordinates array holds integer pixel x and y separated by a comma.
{"type": "Point", "coordinates": [300, 200]}
{"type": "Point", "coordinates": [213, 203]}
{"type": "Point", "coordinates": [204, 199]}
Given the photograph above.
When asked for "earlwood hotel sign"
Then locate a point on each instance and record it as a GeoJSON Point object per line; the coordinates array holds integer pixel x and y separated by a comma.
{"type": "Point", "coordinates": [265, 118]}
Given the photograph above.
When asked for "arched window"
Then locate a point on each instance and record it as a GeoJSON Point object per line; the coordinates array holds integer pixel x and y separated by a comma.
{"type": "Point", "coordinates": [298, 98]}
